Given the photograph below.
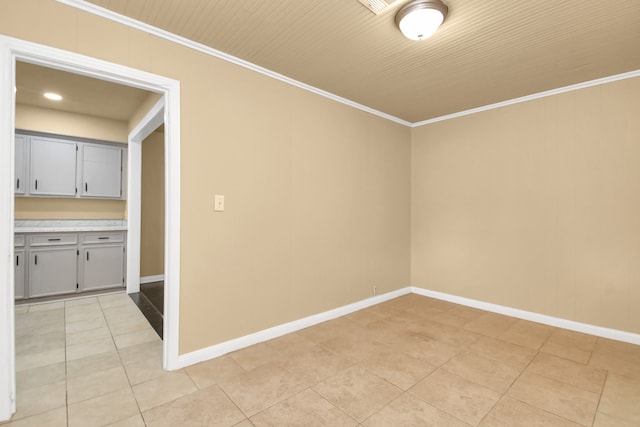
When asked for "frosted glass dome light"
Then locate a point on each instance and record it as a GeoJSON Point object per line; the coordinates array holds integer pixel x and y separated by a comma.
{"type": "Point", "coordinates": [420, 19]}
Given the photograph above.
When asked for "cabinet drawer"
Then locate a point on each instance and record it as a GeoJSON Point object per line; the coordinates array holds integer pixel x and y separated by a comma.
{"type": "Point", "coordinates": [53, 239]}
{"type": "Point", "coordinates": [18, 240]}
{"type": "Point", "coordinates": [104, 237]}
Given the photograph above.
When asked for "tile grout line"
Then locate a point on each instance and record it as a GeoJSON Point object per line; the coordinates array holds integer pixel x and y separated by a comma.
{"type": "Point", "coordinates": [465, 348]}
{"type": "Point", "coordinates": [217, 384]}
{"type": "Point", "coordinates": [604, 384]}
{"type": "Point", "coordinates": [66, 372]}
{"type": "Point", "coordinates": [513, 382]}
{"type": "Point", "coordinates": [310, 387]}
{"type": "Point", "coordinates": [538, 352]}
{"type": "Point", "coordinates": [407, 392]}
{"type": "Point", "coordinates": [121, 363]}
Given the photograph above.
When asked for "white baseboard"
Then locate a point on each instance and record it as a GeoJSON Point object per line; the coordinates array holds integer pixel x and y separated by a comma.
{"type": "Point", "coordinates": [150, 279]}
{"type": "Point", "coordinates": [286, 328]}
{"type": "Point", "coordinates": [586, 328]}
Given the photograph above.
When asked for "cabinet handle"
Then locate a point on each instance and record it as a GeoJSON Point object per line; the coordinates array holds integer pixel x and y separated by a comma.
{"type": "Point", "coordinates": [36, 184]}
{"type": "Point", "coordinates": [53, 240]}
{"type": "Point", "coordinates": [36, 259]}
{"type": "Point", "coordinates": [18, 183]}
{"type": "Point", "coordinates": [87, 255]}
{"type": "Point", "coordinates": [17, 260]}
{"type": "Point", "coordinates": [86, 187]}
{"type": "Point", "coordinates": [103, 238]}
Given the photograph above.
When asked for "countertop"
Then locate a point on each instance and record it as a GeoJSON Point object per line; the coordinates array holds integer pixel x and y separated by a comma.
{"type": "Point", "coordinates": [72, 225]}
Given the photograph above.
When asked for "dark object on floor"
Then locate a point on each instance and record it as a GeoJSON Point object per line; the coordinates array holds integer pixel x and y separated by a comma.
{"type": "Point", "coordinates": [153, 315]}
{"type": "Point", "coordinates": [154, 292]}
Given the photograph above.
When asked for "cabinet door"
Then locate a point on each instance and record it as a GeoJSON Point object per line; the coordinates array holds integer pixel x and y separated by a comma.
{"type": "Point", "coordinates": [19, 164]}
{"type": "Point", "coordinates": [52, 167]}
{"type": "Point", "coordinates": [103, 267]}
{"type": "Point", "coordinates": [101, 171]}
{"type": "Point", "coordinates": [19, 273]}
{"type": "Point", "coordinates": [52, 271]}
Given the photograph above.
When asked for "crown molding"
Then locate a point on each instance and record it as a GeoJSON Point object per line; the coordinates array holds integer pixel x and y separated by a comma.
{"type": "Point", "coordinates": [150, 29]}
{"type": "Point", "coordinates": [526, 98]}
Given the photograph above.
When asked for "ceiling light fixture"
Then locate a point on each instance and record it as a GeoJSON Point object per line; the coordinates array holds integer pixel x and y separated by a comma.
{"type": "Point", "coordinates": [419, 19]}
{"type": "Point", "coordinates": [53, 96]}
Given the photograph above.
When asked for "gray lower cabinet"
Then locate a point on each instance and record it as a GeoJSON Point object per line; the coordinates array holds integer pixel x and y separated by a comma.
{"type": "Point", "coordinates": [19, 263]}
{"type": "Point", "coordinates": [19, 273]}
{"type": "Point", "coordinates": [65, 263]}
{"type": "Point", "coordinates": [102, 262]}
{"type": "Point", "coordinates": [53, 264]}
{"type": "Point", "coordinates": [52, 271]}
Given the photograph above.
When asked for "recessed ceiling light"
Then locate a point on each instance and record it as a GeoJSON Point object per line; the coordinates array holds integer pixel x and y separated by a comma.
{"type": "Point", "coordinates": [53, 96]}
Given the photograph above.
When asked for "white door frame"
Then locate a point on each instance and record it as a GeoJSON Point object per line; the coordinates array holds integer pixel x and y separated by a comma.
{"type": "Point", "coordinates": [12, 49]}
{"type": "Point", "coordinates": [149, 123]}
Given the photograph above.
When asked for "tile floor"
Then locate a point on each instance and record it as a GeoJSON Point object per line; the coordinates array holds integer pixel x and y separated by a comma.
{"type": "Point", "coordinates": [412, 361]}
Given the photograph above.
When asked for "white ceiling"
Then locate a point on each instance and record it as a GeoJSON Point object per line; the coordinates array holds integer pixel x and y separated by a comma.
{"type": "Point", "coordinates": [487, 51]}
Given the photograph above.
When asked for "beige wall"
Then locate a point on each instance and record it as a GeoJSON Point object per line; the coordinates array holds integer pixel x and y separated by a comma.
{"type": "Point", "coordinates": [535, 206]}
{"type": "Point", "coordinates": [70, 124]}
{"type": "Point", "coordinates": [58, 208]}
{"type": "Point", "coordinates": [152, 198]}
{"type": "Point", "coordinates": [152, 206]}
{"type": "Point", "coordinates": [143, 109]}
{"type": "Point", "coordinates": [317, 202]}
{"type": "Point", "coordinates": [317, 193]}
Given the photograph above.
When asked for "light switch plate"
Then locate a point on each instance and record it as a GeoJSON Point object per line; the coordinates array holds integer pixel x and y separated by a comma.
{"type": "Point", "coordinates": [218, 203]}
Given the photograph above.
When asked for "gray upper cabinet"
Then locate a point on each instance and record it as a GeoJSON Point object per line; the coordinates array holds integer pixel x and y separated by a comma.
{"type": "Point", "coordinates": [52, 166]}
{"type": "Point", "coordinates": [101, 171]}
{"type": "Point", "coordinates": [52, 169]}
{"type": "Point", "coordinates": [20, 151]}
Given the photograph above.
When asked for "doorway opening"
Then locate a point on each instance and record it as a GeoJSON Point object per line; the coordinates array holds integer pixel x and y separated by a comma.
{"type": "Point", "coordinates": [150, 299]}
{"type": "Point", "coordinates": [168, 111]}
